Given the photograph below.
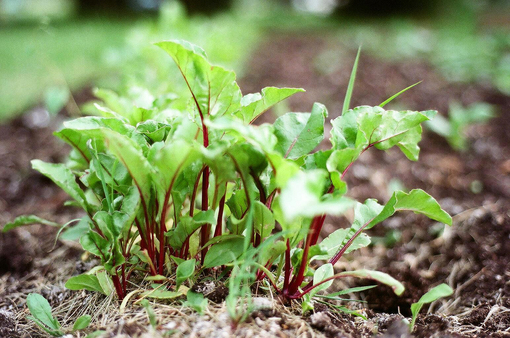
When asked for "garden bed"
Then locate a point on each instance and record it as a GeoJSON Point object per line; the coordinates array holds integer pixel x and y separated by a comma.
{"type": "Point", "coordinates": [474, 187]}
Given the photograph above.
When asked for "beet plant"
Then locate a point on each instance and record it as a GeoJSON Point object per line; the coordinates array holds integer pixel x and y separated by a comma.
{"type": "Point", "coordinates": [192, 184]}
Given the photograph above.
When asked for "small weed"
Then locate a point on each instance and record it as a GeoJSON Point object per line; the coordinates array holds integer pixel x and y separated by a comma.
{"type": "Point", "coordinates": [459, 118]}
{"type": "Point", "coordinates": [42, 316]}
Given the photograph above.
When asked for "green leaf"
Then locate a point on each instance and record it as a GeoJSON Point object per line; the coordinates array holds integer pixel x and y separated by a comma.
{"type": "Point", "coordinates": [79, 131]}
{"type": "Point", "coordinates": [271, 252]}
{"type": "Point", "coordinates": [184, 271]}
{"type": "Point", "coordinates": [169, 160]}
{"type": "Point", "coordinates": [196, 301]}
{"type": "Point", "coordinates": [363, 127]}
{"type": "Point", "coordinates": [417, 201]}
{"type": "Point", "coordinates": [84, 282]}
{"type": "Point", "coordinates": [299, 133]}
{"type": "Point", "coordinates": [162, 294]}
{"type": "Point", "coordinates": [187, 226]}
{"type": "Point", "coordinates": [398, 94]}
{"type": "Point", "coordinates": [81, 323]}
{"type": "Point", "coordinates": [41, 310]}
{"type": "Point", "coordinates": [322, 273]}
{"type": "Point", "coordinates": [440, 291]}
{"type": "Point", "coordinates": [130, 206]}
{"type": "Point", "coordinates": [213, 89]}
{"type": "Point", "coordinates": [263, 219]}
{"type": "Point", "coordinates": [303, 196]}
{"type": "Point", "coordinates": [224, 252]}
{"type": "Point", "coordinates": [363, 214]}
{"type": "Point", "coordinates": [350, 87]}
{"type": "Point", "coordinates": [105, 282]}
{"type": "Point", "coordinates": [54, 333]}
{"type": "Point", "coordinates": [110, 172]}
{"type": "Point", "coordinates": [459, 118]}
{"type": "Point", "coordinates": [336, 240]}
{"type": "Point", "coordinates": [76, 232]}
{"type": "Point", "coordinates": [64, 178]}
{"type": "Point", "coordinates": [349, 290]}
{"type": "Point", "coordinates": [378, 276]}
{"type": "Point", "coordinates": [130, 154]}
{"type": "Point", "coordinates": [95, 244]}
{"type": "Point", "coordinates": [254, 105]}
{"type": "Point", "coordinates": [27, 220]}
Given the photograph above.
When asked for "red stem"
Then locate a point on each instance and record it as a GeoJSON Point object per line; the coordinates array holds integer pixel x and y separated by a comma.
{"type": "Point", "coordinates": [118, 287]}
{"type": "Point", "coordinates": [205, 232]}
{"type": "Point", "coordinates": [286, 277]}
{"type": "Point", "coordinates": [194, 194]}
{"type": "Point", "coordinates": [124, 280]}
{"type": "Point", "coordinates": [219, 222]}
{"type": "Point", "coordinates": [143, 243]}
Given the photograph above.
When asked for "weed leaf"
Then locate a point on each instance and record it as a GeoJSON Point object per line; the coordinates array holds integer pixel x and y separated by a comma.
{"type": "Point", "coordinates": [81, 323]}
{"type": "Point", "coordinates": [41, 310]}
{"type": "Point", "coordinates": [440, 291]}
{"type": "Point", "coordinates": [27, 220]}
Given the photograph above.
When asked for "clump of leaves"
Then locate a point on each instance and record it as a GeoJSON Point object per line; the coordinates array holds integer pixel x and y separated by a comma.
{"type": "Point", "coordinates": [42, 316]}
{"type": "Point", "coordinates": [459, 118]}
{"type": "Point", "coordinates": [192, 184]}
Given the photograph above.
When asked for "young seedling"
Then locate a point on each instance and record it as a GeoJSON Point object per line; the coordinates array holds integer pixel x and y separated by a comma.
{"type": "Point", "coordinates": [459, 118]}
{"type": "Point", "coordinates": [440, 291]}
{"type": "Point", "coordinates": [42, 316]}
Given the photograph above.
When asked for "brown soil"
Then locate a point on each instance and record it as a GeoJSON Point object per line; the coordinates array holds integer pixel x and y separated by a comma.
{"type": "Point", "coordinates": [473, 256]}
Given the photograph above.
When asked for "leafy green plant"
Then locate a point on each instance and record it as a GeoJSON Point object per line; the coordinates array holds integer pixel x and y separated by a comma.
{"type": "Point", "coordinates": [459, 118]}
{"type": "Point", "coordinates": [440, 291]}
{"type": "Point", "coordinates": [189, 183]}
{"type": "Point", "coordinates": [42, 316]}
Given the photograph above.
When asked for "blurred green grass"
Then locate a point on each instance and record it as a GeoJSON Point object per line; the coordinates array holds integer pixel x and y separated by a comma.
{"type": "Point", "coordinates": [119, 55]}
{"type": "Point", "coordinates": [34, 58]}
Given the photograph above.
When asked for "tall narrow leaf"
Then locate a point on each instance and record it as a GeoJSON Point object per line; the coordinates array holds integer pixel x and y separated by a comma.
{"type": "Point", "coordinates": [398, 94]}
{"type": "Point", "coordinates": [350, 87]}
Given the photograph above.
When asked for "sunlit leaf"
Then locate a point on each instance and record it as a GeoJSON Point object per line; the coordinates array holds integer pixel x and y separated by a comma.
{"type": "Point", "coordinates": [300, 133]}
{"type": "Point", "coordinates": [254, 105]}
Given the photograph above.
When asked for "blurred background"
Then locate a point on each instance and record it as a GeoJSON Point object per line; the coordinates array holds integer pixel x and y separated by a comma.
{"type": "Point", "coordinates": [53, 52]}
